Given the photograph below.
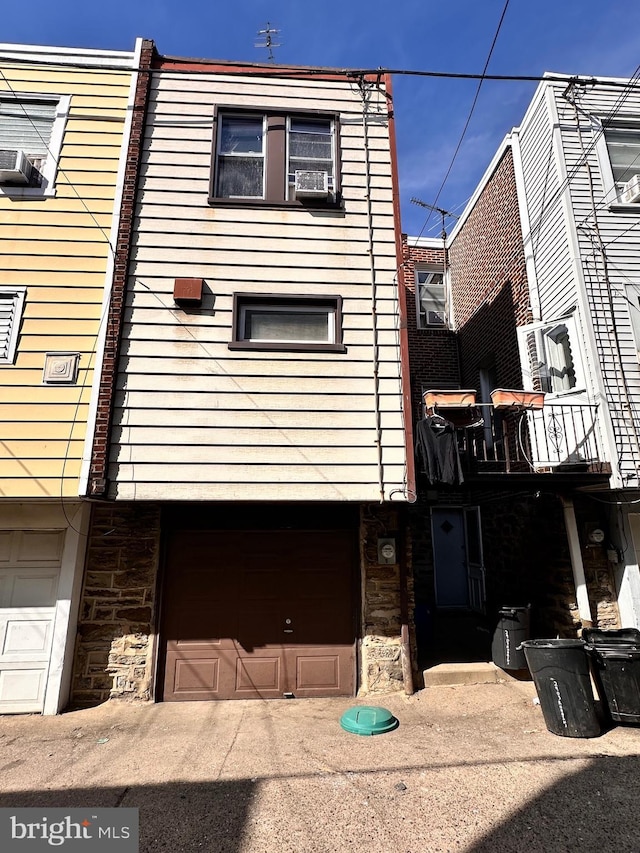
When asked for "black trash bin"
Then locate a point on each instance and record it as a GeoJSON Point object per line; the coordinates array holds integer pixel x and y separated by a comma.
{"type": "Point", "coordinates": [560, 671]}
{"type": "Point", "coordinates": [615, 663]}
{"type": "Point", "coordinates": [512, 629]}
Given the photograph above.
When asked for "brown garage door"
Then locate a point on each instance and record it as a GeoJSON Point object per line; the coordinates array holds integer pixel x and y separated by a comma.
{"type": "Point", "coordinates": [259, 614]}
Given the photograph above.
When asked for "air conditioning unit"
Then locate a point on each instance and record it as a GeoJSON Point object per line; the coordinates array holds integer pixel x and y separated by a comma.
{"type": "Point", "coordinates": [311, 184]}
{"type": "Point", "coordinates": [435, 318]}
{"type": "Point", "coordinates": [631, 190]}
{"type": "Point", "coordinates": [15, 168]}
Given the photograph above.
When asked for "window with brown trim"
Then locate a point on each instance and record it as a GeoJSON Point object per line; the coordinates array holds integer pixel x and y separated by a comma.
{"type": "Point", "coordinates": [265, 157]}
{"type": "Point", "coordinates": [296, 323]}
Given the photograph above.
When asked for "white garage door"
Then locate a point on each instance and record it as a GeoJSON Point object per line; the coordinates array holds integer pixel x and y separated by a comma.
{"type": "Point", "coordinates": [29, 573]}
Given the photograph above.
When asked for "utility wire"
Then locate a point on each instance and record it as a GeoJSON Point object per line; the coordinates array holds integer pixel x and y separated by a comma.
{"type": "Point", "coordinates": [545, 212]}
{"type": "Point", "coordinates": [481, 80]}
{"type": "Point", "coordinates": [256, 69]}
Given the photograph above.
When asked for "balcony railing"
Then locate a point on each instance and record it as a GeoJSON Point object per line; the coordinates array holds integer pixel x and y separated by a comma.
{"type": "Point", "coordinates": [559, 438]}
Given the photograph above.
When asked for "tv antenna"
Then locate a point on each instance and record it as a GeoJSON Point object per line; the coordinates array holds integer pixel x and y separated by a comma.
{"type": "Point", "coordinates": [443, 213]}
{"type": "Point", "coordinates": [267, 40]}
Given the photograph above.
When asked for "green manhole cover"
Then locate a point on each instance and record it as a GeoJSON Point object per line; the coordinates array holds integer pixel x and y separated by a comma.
{"type": "Point", "coordinates": [368, 720]}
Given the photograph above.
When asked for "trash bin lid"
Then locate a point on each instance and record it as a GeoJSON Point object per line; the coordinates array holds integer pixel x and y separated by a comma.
{"type": "Point", "coordinates": [553, 644]}
{"type": "Point", "coordinates": [621, 636]}
{"type": "Point", "coordinates": [368, 720]}
{"type": "Point", "coordinates": [615, 652]}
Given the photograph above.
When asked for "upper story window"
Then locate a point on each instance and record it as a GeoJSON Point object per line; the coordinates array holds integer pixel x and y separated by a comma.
{"type": "Point", "coordinates": [550, 356]}
{"type": "Point", "coordinates": [431, 308]}
{"type": "Point", "coordinates": [11, 305]}
{"type": "Point", "coordinates": [623, 145]}
{"type": "Point", "coordinates": [298, 323]}
{"type": "Point", "coordinates": [31, 131]}
{"type": "Point", "coordinates": [275, 158]}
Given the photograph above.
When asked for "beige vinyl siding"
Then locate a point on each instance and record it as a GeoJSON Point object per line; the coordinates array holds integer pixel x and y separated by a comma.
{"type": "Point", "coordinates": [196, 420]}
{"type": "Point", "coordinates": [57, 247]}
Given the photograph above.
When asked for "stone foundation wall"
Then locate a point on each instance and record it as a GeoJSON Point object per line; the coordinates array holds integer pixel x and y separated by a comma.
{"type": "Point", "coordinates": [527, 561]}
{"type": "Point", "coordinates": [116, 626]}
{"type": "Point", "coordinates": [381, 662]}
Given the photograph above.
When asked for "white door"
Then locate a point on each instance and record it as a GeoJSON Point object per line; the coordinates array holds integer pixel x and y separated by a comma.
{"type": "Point", "coordinates": [30, 563]}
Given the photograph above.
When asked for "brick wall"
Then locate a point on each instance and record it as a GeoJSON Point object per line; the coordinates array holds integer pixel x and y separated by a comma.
{"type": "Point", "coordinates": [116, 627]}
{"type": "Point", "coordinates": [489, 282]}
{"type": "Point", "coordinates": [433, 353]}
{"type": "Point", "coordinates": [100, 452]}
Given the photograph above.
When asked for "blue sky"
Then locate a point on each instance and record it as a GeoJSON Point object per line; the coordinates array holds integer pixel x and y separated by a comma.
{"type": "Point", "coordinates": [594, 37]}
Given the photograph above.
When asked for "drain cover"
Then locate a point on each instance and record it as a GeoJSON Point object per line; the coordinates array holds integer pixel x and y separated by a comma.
{"type": "Point", "coordinates": [368, 720]}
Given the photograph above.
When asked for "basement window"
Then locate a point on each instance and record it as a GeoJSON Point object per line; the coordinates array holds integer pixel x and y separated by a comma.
{"type": "Point", "coordinates": [299, 323]}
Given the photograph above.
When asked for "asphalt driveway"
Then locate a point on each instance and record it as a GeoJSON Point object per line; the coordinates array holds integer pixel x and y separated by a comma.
{"type": "Point", "coordinates": [469, 769]}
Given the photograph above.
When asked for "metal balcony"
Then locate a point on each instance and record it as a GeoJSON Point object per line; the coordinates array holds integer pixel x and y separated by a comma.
{"type": "Point", "coordinates": [560, 439]}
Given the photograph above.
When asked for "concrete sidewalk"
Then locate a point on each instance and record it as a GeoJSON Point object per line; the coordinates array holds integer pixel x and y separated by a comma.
{"type": "Point", "coordinates": [469, 769]}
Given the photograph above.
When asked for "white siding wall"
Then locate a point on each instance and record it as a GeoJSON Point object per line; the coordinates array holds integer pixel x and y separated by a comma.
{"type": "Point", "coordinates": [564, 243]}
{"type": "Point", "coordinates": [620, 233]}
{"type": "Point", "coordinates": [195, 420]}
{"type": "Point", "coordinates": [547, 233]}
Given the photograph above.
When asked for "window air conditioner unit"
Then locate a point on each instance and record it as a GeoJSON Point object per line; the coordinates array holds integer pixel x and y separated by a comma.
{"type": "Point", "coordinates": [311, 184]}
{"type": "Point", "coordinates": [631, 190]}
{"type": "Point", "coordinates": [435, 318]}
{"type": "Point", "coordinates": [15, 168]}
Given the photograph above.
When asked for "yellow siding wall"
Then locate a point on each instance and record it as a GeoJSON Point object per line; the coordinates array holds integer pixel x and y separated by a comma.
{"type": "Point", "coordinates": [58, 248]}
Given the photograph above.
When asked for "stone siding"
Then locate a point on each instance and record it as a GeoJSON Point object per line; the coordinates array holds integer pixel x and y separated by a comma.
{"type": "Point", "coordinates": [381, 661]}
{"type": "Point", "coordinates": [116, 626]}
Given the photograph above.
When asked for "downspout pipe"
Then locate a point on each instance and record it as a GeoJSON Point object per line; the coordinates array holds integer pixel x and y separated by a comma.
{"type": "Point", "coordinates": [577, 566]}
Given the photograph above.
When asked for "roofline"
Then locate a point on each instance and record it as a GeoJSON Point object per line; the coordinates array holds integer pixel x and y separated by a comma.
{"type": "Point", "coordinates": [51, 55]}
{"type": "Point", "coordinates": [424, 242]}
{"type": "Point", "coordinates": [163, 62]}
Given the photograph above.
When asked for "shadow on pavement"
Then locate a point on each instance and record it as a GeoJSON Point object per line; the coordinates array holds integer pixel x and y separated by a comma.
{"type": "Point", "coordinates": [173, 817]}
{"type": "Point", "coordinates": [596, 810]}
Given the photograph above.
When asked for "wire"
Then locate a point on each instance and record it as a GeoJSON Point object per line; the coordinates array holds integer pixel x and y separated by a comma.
{"type": "Point", "coordinates": [571, 175]}
{"type": "Point", "coordinates": [267, 70]}
{"type": "Point", "coordinates": [85, 371]}
{"type": "Point", "coordinates": [471, 111]}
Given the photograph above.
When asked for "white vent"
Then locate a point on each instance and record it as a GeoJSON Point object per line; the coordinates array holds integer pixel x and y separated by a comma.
{"type": "Point", "coordinates": [311, 184]}
{"type": "Point", "coordinates": [631, 190]}
{"type": "Point", "coordinates": [14, 166]}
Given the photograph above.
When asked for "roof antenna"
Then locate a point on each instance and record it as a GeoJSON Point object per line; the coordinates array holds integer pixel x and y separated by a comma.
{"type": "Point", "coordinates": [443, 213]}
{"type": "Point", "coordinates": [267, 40]}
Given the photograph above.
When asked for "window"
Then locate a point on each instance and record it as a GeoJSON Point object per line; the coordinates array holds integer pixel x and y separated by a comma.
{"type": "Point", "coordinates": [299, 323]}
{"type": "Point", "coordinates": [618, 147]}
{"type": "Point", "coordinates": [31, 126]}
{"type": "Point", "coordinates": [256, 157]}
{"type": "Point", "coordinates": [11, 304]}
{"type": "Point", "coordinates": [431, 297]}
{"type": "Point", "coordinates": [632, 293]}
{"type": "Point", "coordinates": [623, 146]}
{"type": "Point", "coordinates": [549, 356]}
